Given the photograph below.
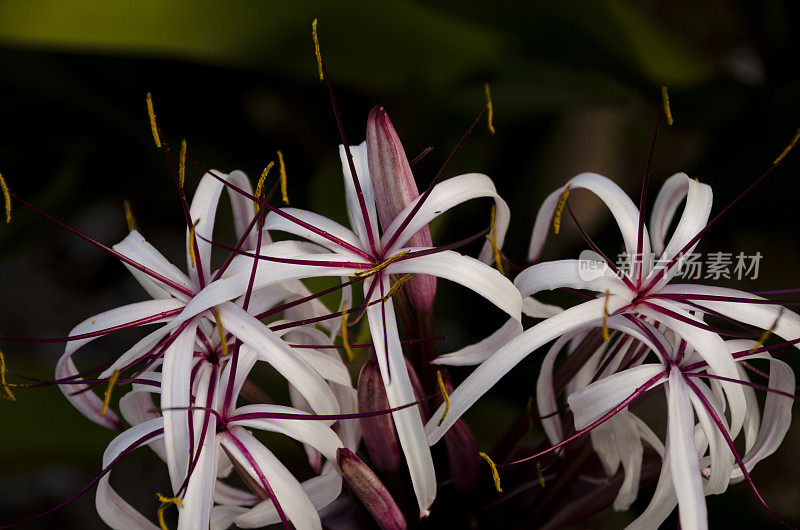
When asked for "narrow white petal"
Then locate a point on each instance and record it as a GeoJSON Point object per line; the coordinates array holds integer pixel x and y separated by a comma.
{"type": "Point", "coordinates": [722, 462]}
{"type": "Point", "coordinates": [293, 500]}
{"type": "Point", "coordinates": [466, 271]}
{"type": "Point", "coordinates": [116, 512]}
{"type": "Point", "coordinates": [629, 444]}
{"type": "Point", "coordinates": [243, 209]}
{"type": "Point", "coordinates": [569, 273]}
{"type": "Point", "coordinates": [683, 455]}
{"type": "Point", "coordinates": [545, 393]}
{"type": "Point", "coordinates": [357, 221]}
{"type": "Point", "coordinates": [203, 212]}
{"type": "Point", "coordinates": [480, 351]}
{"type": "Point", "coordinates": [125, 439]}
{"type": "Point", "coordinates": [222, 516]}
{"type": "Point", "coordinates": [276, 222]}
{"type": "Point", "coordinates": [663, 501]}
{"type": "Point", "coordinates": [400, 392]}
{"type": "Point", "coordinates": [86, 401]}
{"type": "Point", "coordinates": [536, 309]}
{"type": "Point", "coordinates": [135, 247]}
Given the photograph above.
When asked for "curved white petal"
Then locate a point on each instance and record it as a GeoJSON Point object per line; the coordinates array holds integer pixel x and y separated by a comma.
{"type": "Point", "coordinates": [139, 349]}
{"type": "Point", "coordinates": [591, 402]}
{"type": "Point", "coordinates": [619, 204]}
{"type": "Point", "coordinates": [226, 494]}
{"type": "Point", "coordinates": [243, 209]}
{"type": "Point", "coordinates": [277, 353]}
{"type": "Point", "coordinates": [85, 401]}
{"type": "Point", "coordinates": [260, 462]}
{"type": "Point", "coordinates": [357, 221]}
{"type": "Point", "coordinates": [127, 438]}
{"type": "Point", "coordinates": [136, 248]}
{"type": "Point", "coordinates": [137, 407]}
{"type": "Point", "coordinates": [480, 351]}
{"type": "Point", "coordinates": [116, 512]}
{"type": "Point", "coordinates": [683, 454]}
{"type": "Point", "coordinates": [443, 197]}
{"type": "Point", "coordinates": [545, 392]}
{"type": "Point", "coordinates": [569, 273]}
{"type": "Point", "coordinates": [467, 271]}
{"type": "Point", "coordinates": [203, 213]}
{"type": "Point", "coordinates": [629, 445]}
{"type": "Point", "coordinates": [222, 516]}
{"type": "Point", "coordinates": [400, 392]}
{"type": "Point", "coordinates": [277, 222]}
{"type": "Point", "coordinates": [322, 490]}
{"type": "Point", "coordinates": [663, 501]}
{"type": "Point", "coordinates": [311, 432]}
{"type": "Point", "coordinates": [536, 309]}
{"type": "Point", "coordinates": [722, 462]}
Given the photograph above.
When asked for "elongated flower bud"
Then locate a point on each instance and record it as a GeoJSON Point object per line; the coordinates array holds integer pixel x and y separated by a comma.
{"type": "Point", "coordinates": [378, 431]}
{"type": "Point", "coordinates": [395, 188]}
{"type": "Point", "coordinates": [462, 450]}
{"type": "Point", "coordinates": [368, 487]}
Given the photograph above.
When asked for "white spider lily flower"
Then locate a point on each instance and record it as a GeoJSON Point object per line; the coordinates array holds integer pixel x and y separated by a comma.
{"type": "Point", "coordinates": [223, 440]}
{"type": "Point", "coordinates": [630, 297]}
{"type": "Point", "coordinates": [363, 253]}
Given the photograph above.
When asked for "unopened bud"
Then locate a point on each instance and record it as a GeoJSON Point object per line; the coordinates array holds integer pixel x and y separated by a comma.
{"type": "Point", "coordinates": [395, 188]}
{"type": "Point", "coordinates": [368, 487]}
{"type": "Point", "coordinates": [378, 431]}
{"type": "Point", "coordinates": [462, 454]}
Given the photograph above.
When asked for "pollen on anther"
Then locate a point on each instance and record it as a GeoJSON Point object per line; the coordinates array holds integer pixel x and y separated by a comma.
{"type": "Point", "coordinates": [489, 108]}
{"type": "Point", "coordinates": [495, 474]}
{"type": "Point", "coordinates": [606, 336]}
{"type": "Point", "coordinates": [192, 256]}
{"type": "Point", "coordinates": [445, 396]}
{"type": "Point", "coordinates": [8, 394]}
{"type": "Point", "coordinates": [284, 191]}
{"type": "Point", "coordinates": [345, 338]}
{"type": "Point", "coordinates": [130, 220]}
{"type": "Point", "coordinates": [261, 180]}
{"type": "Point", "coordinates": [153, 124]}
{"type": "Point", "coordinates": [222, 341]}
{"type": "Point", "coordinates": [182, 164]}
{"type": "Point", "coordinates": [788, 149]}
{"type": "Point", "coordinates": [166, 501]}
{"type": "Point", "coordinates": [764, 336]}
{"type": "Point", "coordinates": [396, 286]}
{"type": "Point", "coordinates": [492, 238]}
{"type": "Point", "coordinates": [6, 198]}
{"type": "Point", "coordinates": [107, 395]}
{"type": "Point", "coordinates": [562, 203]}
{"type": "Point", "coordinates": [665, 103]}
{"type": "Point", "coordinates": [316, 49]}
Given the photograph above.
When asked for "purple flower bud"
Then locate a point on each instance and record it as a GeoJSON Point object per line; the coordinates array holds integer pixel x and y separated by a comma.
{"type": "Point", "coordinates": [395, 188]}
{"type": "Point", "coordinates": [378, 431]}
{"type": "Point", "coordinates": [462, 454]}
{"type": "Point", "coordinates": [368, 487]}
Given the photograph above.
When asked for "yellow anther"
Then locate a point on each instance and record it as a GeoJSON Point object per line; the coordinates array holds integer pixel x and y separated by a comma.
{"type": "Point", "coordinates": [260, 185]}
{"type": "Point", "coordinates": [8, 394]}
{"type": "Point", "coordinates": [445, 396]}
{"type": "Point", "coordinates": [767, 333]}
{"type": "Point", "coordinates": [489, 108]}
{"type": "Point", "coordinates": [495, 474]}
{"type": "Point", "coordinates": [6, 197]}
{"type": "Point", "coordinates": [788, 149]}
{"type": "Point", "coordinates": [107, 395]}
{"type": "Point", "coordinates": [396, 286]}
{"type": "Point", "coordinates": [665, 102]}
{"type": "Point", "coordinates": [492, 238]}
{"type": "Point", "coordinates": [316, 49]}
{"type": "Point", "coordinates": [191, 244]}
{"type": "Point", "coordinates": [345, 338]}
{"type": "Point", "coordinates": [378, 268]}
{"type": "Point", "coordinates": [562, 203]}
{"type": "Point", "coordinates": [153, 124]}
{"type": "Point", "coordinates": [606, 336]}
{"type": "Point", "coordinates": [182, 164]}
{"type": "Point", "coordinates": [129, 218]}
{"type": "Point", "coordinates": [165, 502]}
{"type": "Point", "coordinates": [222, 341]}
{"type": "Point", "coordinates": [539, 473]}
{"type": "Point", "coordinates": [284, 192]}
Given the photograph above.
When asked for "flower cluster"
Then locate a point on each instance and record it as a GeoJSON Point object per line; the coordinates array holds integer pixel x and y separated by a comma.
{"type": "Point", "coordinates": [192, 389]}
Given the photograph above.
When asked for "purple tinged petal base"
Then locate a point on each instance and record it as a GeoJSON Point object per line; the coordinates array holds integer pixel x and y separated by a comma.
{"type": "Point", "coordinates": [368, 487]}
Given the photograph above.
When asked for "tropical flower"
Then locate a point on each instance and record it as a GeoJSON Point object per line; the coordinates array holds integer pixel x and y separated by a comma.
{"type": "Point", "coordinates": [363, 253]}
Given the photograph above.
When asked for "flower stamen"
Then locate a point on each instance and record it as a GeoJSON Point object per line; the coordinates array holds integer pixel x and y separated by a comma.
{"type": "Point", "coordinates": [788, 149]}
{"type": "Point", "coordinates": [665, 102]}
{"type": "Point", "coordinates": [562, 202]}
{"type": "Point", "coordinates": [492, 238]}
{"type": "Point", "coordinates": [489, 107]}
{"type": "Point", "coordinates": [9, 395]}
{"type": "Point", "coordinates": [495, 474]}
{"type": "Point", "coordinates": [284, 192]}
{"type": "Point", "coordinates": [345, 338]}
{"type": "Point", "coordinates": [378, 268]}
{"type": "Point", "coordinates": [606, 336]}
{"type": "Point", "coordinates": [764, 336]}
{"type": "Point", "coordinates": [396, 286]}
{"type": "Point", "coordinates": [182, 164]}
{"type": "Point", "coordinates": [129, 218]}
{"type": "Point", "coordinates": [6, 198]}
{"type": "Point", "coordinates": [445, 396]}
{"type": "Point", "coordinates": [222, 341]}
{"type": "Point", "coordinates": [316, 49]}
{"type": "Point", "coordinates": [192, 243]}
{"type": "Point", "coordinates": [153, 124]}
{"type": "Point", "coordinates": [261, 180]}
{"type": "Point", "coordinates": [107, 395]}
{"type": "Point", "coordinates": [165, 502]}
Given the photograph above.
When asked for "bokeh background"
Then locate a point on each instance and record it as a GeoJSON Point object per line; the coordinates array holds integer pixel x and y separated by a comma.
{"type": "Point", "coordinates": [576, 87]}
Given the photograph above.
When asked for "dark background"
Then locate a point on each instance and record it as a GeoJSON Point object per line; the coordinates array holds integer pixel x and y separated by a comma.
{"type": "Point", "coordinates": [576, 87]}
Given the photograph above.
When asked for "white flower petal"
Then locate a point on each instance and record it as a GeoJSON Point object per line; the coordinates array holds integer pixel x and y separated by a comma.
{"type": "Point", "coordinates": [722, 462]}
{"type": "Point", "coordinates": [244, 209]}
{"type": "Point", "coordinates": [480, 351]}
{"type": "Point", "coordinates": [663, 501]}
{"type": "Point", "coordinates": [203, 212]}
{"type": "Point", "coordinates": [400, 392]}
{"type": "Point", "coordinates": [443, 197]}
{"type": "Point", "coordinates": [277, 353]}
{"type": "Point", "coordinates": [116, 512]}
{"type": "Point", "coordinates": [137, 407]}
{"type": "Point", "coordinates": [277, 222]}
{"type": "Point", "coordinates": [545, 393]}
{"type": "Point", "coordinates": [569, 273]}
{"type": "Point", "coordinates": [226, 494]}
{"type": "Point", "coordinates": [293, 500]}
{"type": "Point", "coordinates": [359, 154]}
{"type": "Point", "coordinates": [135, 247]}
{"type": "Point", "coordinates": [536, 309]}
{"type": "Point", "coordinates": [85, 401]}
{"type": "Point", "coordinates": [467, 271]}
{"type": "Point", "coordinates": [222, 516]}
{"type": "Point", "coordinates": [683, 455]}
{"type": "Point", "coordinates": [629, 445]}
{"type": "Point", "coordinates": [591, 402]}
{"type": "Point", "coordinates": [127, 438]}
